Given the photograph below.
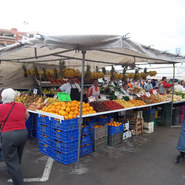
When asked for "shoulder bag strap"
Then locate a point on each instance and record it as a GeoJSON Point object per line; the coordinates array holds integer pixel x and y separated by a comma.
{"type": "Point", "coordinates": [7, 117]}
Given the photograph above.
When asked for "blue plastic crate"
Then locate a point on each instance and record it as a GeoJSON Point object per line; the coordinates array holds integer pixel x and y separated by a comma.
{"type": "Point", "coordinates": [45, 149]}
{"type": "Point", "coordinates": [29, 120]}
{"type": "Point", "coordinates": [64, 135]}
{"type": "Point", "coordinates": [86, 140]}
{"type": "Point", "coordinates": [42, 127]}
{"type": "Point", "coordinates": [63, 157]}
{"type": "Point", "coordinates": [86, 149]}
{"type": "Point", "coordinates": [64, 124]}
{"type": "Point", "coordinates": [28, 126]}
{"type": "Point", "coordinates": [64, 146]}
{"type": "Point", "coordinates": [151, 111]}
{"type": "Point", "coordinates": [43, 119]}
{"type": "Point", "coordinates": [104, 120]}
{"type": "Point", "coordinates": [85, 129]}
{"type": "Point", "coordinates": [89, 121]}
{"type": "Point", "coordinates": [44, 138]}
{"type": "Point", "coordinates": [115, 130]}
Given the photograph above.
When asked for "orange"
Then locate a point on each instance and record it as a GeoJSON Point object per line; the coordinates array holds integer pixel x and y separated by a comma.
{"type": "Point", "coordinates": [74, 116]}
{"type": "Point", "coordinates": [63, 113]}
{"type": "Point", "coordinates": [84, 110]}
{"type": "Point", "coordinates": [94, 111]}
{"type": "Point", "coordinates": [68, 104]}
{"type": "Point", "coordinates": [71, 112]}
{"type": "Point", "coordinates": [87, 105]}
{"type": "Point", "coordinates": [57, 110]}
{"type": "Point", "coordinates": [87, 112]}
{"type": "Point", "coordinates": [87, 108]}
{"type": "Point", "coordinates": [68, 109]}
{"type": "Point", "coordinates": [76, 112]}
{"type": "Point", "coordinates": [63, 107]}
{"type": "Point", "coordinates": [90, 108]}
{"type": "Point", "coordinates": [70, 116]}
{"type": "Point", "coordinates": [72, 108]}
{"type": "Point", "coordinates": [66, 117]}
{"type": "Point", "coordinates": [60, 112]}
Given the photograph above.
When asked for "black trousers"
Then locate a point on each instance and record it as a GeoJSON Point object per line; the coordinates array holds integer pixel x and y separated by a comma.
{"type": "Point", "coordinates": [13, 143]}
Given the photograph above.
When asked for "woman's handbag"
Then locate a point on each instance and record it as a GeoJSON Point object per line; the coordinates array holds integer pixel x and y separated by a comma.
{"type": "Point", "coordinates": [1, 154]}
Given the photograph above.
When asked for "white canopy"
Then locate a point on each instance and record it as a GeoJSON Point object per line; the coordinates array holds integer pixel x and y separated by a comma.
{"type": "Point", "coordinates": [101, 50]}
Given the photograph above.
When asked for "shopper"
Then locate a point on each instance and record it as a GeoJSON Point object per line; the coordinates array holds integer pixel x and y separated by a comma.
{"type": "Point", "coordinates": [178, 87]}
{"type": "Point", "coordinates": [72, 88]}
{"type": "Point", "coordinates": [13, 132]}
{"type": "Point", "coordinates": [148, 86]}
{"type": "Point", "coordinates": [183, 83]}
{"type": "Point", "coordinates": [163, 86]}
{"type": "Point", "coordinates": [94, 90]}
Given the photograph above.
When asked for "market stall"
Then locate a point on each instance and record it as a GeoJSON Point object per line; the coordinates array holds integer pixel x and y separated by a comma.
{"type": "Point", "coordinates": [96, 50]}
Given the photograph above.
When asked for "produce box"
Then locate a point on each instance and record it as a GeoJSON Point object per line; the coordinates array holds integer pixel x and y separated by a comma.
{"type": "Point", "coordinates": [45, 149]}
{"type": "Point", "coordinates": [64, 135]}
{"type": "Point", "coordinates": [99, 132]}
{"type": "Point", "coordinates": [86, 139]}
{"type": "Point", "coordinates": [67, 146]}
{"type": "Point", "coordinates": [115, 129]}
{"type": "Point", "coordinates": [100, 143]}
{"type": "Point", "coordinates": [138, 131]}
{"type": "Point", "coordinates": [148, 124]}
{"type": "Point", "coordinates": [43, 127]}
{"type": "Point", "coordinates": [103, 119]}
{"type": "Point", "coordinates": [135, 121]}
{"type": "Point", "coordinates": [64, 124]}
{"type": "Point", "coordinates": [135, 114]}
{"type": "Point", "coordinates": [43, 119]}
{"type": "Point", "coordinates": [44, 138]}
{"type": "Point", "coordinates": [86, 149]}
{"type": "Point", "coordinates": [115, 139]}
{"type": "Point", "coordinates": [148, 130]}
{"type": "Point", "coordinates": [125, 135]}
{"type": "Point", "coordinates": [64, 157]}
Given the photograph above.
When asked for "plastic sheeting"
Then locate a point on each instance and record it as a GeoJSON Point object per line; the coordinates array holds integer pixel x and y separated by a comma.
{"type": "Point", "coordinates": [101, 50]}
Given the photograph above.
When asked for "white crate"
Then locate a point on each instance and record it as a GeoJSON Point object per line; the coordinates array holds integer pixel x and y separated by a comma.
{"type": "Point", "coordinates": [148, 124]}
{"type": "Point", "coordinates": [148, 130]}
{"type": "Point", "coordinates": [126, 126]}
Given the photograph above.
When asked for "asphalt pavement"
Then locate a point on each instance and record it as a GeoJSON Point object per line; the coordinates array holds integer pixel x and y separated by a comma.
{"type": "Point", "coordinates": [147, 159]}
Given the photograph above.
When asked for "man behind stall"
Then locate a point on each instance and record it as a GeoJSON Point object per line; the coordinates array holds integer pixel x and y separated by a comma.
{"type": "Point", "coordinates": [163, 86]}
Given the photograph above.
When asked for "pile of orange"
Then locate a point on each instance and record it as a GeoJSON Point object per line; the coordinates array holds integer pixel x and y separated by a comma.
{"type": "Point", "coordinates": [70, 110]}
{"type": "Point", "coordinates": [114, 123]}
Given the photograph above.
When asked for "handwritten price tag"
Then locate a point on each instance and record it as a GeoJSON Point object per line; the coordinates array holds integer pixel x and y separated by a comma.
{"type": "Point", "coordinates": [154, 92]}
{"type": "Point", "coordinates": [46, 100]}
{"type": "Point", "coordinates": [103, 97]}
{"type": "Point", "coordinates": [55, 97]}
{"type": "Point", "coordinates": [63, 96]}
{"type": "Point", "coordinates": [18, 93]}
{"type": "Point", "coordinates": [35, 91]}
{"type": "Point", "coordinates": [138, 95]}
{"type": "Point", "coordinates": [131, 97]}
{"type": "Point", "coordinates": [92, 98]}
{"type": "Point", "coordinates": [148, 94]}
{"type": "Point", "coordinates": [142, 94]}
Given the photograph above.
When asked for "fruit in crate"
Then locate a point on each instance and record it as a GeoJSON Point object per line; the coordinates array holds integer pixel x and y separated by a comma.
{"type": "Point", "coordinates": [124, 103]}
{"type": "Point", "coordinates": [112, 105]}
{"type": "Point", "coordinates": [69, 110]}
{"type": "Point", "coordinates": [98, 107]}
{"type": "Point", "coordinates": [137, 102]}
{"type": "Point", "coordinates": [37, 105]}
{"type": "Point", "coordinates": [114, 123]}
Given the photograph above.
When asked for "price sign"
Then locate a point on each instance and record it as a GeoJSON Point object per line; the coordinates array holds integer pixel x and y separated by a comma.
{"type": "Point", "coordinates": [35, 91]}
{"type": "Point", "coordinates": [147, 94]}
{"type": "Point", "coordinates": [142, 94]}
{"type": "Point", "coordinates": [131, 97]}
{"type": "Point", "coordinates": [63, 96]}
{"type": "Point", "coordinates": [55, 97]}
{"type": "Point", "coordinates": [92, 98]}
{"type": "Point", "coordinates": [46, 100]}
{"type": "Point", "coordinates": [138, 95]}
{"type": "Point", "coordinates": [18, 93]}
{"type": "Point", "coordinates": [103, 97]}
{"type": "Point", "coordinates": [107, 77]}
{"type": "Point", "coordinates": [154, 92]}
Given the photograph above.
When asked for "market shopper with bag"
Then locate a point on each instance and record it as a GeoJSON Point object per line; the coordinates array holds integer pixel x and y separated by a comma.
{"type": "Point", "coordinates": [163, 86]}
{"type": "Point", "coordinates": [14, 134]}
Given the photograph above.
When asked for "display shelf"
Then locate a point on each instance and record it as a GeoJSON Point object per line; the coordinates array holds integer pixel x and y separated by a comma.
{"type": "Point", "coordinates": [177, 102]}
{"type": "Point", "coordinates": [31, 111]}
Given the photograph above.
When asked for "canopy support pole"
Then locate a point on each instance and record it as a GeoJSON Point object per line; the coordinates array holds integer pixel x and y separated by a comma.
{"type": "Point", "coordinates": [172, 94]}
{"type": "Point", "coordinates": [80, 121]}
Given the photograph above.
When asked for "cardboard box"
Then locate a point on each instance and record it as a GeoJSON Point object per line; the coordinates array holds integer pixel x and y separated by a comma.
{"type": "Point", "coordinates": [148, 124]}
{"type": "Point", "coordinates": [148, 130]}
{"type": "Point", "coordinates": [135, 114]}
{"type": "Point", "coordinates": [126, 126]}
{"type": "Point", "coordinates": [125, 135]}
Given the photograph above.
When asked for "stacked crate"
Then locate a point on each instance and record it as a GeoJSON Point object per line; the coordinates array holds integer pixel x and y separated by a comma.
{"type": "Point", "coordinates": [135, 122]}
{"type": "Point", "coordinates": [115, 134]}
{"type": "Point", "coordinates": [149, 115]}
{"type": "Point", "coordinates": [44, 134]}
{"type": "Point", "coordinates": [164, 115]}
{"type": "Point", "coordinates": [29, 127]}
{"type": "Point", "coordinates": [100, 132]}
{"type": "Point", "coordinates": [148, 127]}
{"type": "Point", "coordinates": [86, 140]}
{"type": "Point", "coordinates": [64, 140]}
{"type": "Point", "coordinates": [176, 115]}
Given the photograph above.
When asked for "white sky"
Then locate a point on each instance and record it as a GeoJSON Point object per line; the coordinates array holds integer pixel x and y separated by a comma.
{"type": "Point", "coordinates": [150, 22]}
